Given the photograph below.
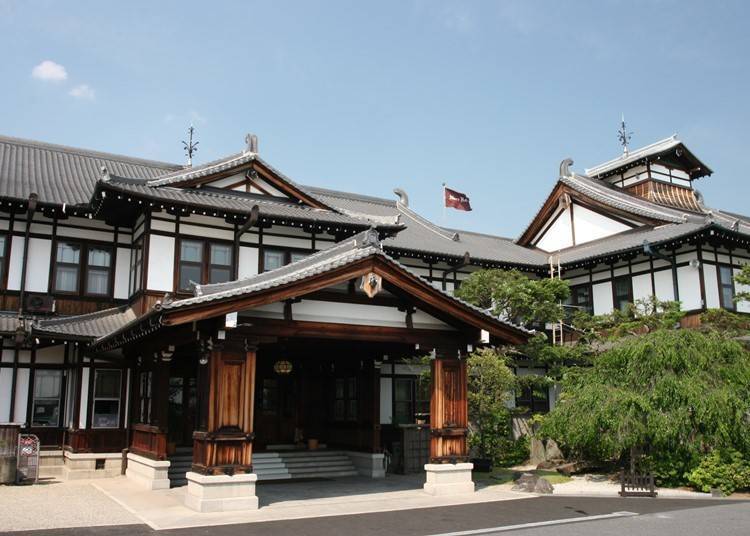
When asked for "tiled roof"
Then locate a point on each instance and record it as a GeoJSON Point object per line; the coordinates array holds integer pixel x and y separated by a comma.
{"type": "Point", "coordinates": [8, 321]}
{"type": "Point", "coordinates": [60, 174]}
{"type": "Point", "coordinates": [231, 201]}
{"type": "Point", "coordinates": [92, 325]}
{"type": "Point", "coordinates": [360, 246]}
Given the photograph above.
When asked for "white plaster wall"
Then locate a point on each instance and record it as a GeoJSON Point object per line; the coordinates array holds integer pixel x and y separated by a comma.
{"type": "Point", "coordinates": [248, 262]}
{"type": "Point", "coordinates": [268, 188]}
{"type": "Point", "coordinates": [122, 273]}
{"type": "Point", "coordinates": [84, 398]}
{"type": "Point", "coordinates": [16, 261]}
{"type": "Point", "coordinates": [302, 243]}
{"type": "Point", "coordinates": [6, 379]}
{"type": "Point", "coordinates": [22, 394]}
{"type": "Point", "coordinates": [689, 285]}
{"type": "Point", "coordinates": [590, 225]}
{"type": "Point", "coordinates": [161, 263]}
{"type": "Point", "coordinates": [711, 285]}
{"type": "Point", "coordinates": [559, 235]}
{"type": "Point", "coordinates": [354, 313]}
{"type": "Point", "coordinates": [37, 268]}
{"type": "Point", "coordinates": [641, 287]}
{"type": "Point", "coordinates": [207, 232]}
{"type": "Point", "coordinates": [52, 355]}
{"type": "Point", "coordinates": [161, 225]}
{"type": "Point", "coordinates": [386, 400]}
{"type": "Point", "coordinates": [602, 294]}
{"type": "Point", "coordinates": [664, 286]}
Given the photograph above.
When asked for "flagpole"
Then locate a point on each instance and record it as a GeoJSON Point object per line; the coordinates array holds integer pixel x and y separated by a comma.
{"type": "Point", "coordinates": [443, 202]}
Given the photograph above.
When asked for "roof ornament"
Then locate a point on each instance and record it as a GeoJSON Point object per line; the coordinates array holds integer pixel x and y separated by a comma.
{"type": "Point", "coordinates": [190, 147]}
{"type": "Point", "coordinates": [455, 237]}
{"type": "Point", "coordinates": [624, 136]}
{"type": "Point", "coordinates": [105, 173]}
{"type": "Point", "coordinates": [251, 143]}
{"type": "Point", "coordinates": [402, 197]}
{"type": "Point", "coordinates": [369, 238]}
{"type": "Point", "coordinates": [565, 168]}
{"type": "Point", "coordinates": [735, 225]}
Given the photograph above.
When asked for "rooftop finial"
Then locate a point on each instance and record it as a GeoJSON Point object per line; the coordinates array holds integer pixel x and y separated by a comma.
{"type": "Point", "coordinates": [624, 136]}
{"type": "Point", "coordinates": [190, 147]}
{"type": "Point", "coordinates": [251, 143]}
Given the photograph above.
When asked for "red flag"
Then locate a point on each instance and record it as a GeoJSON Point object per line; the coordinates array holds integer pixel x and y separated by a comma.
{"type": "Point", "coordinates": [457, 200]}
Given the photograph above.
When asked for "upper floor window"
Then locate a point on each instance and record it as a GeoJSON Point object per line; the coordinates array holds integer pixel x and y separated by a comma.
{"type": "Point", "coordinates": [82, 269]}
{"type": "Point", "coordinates": [726, 287]}
{"type": "Point", "coordinates": [204, 262]}
{"type": "Point", "coordinates": [3, 242]}
{"type": "Point", "coordinates": [276, 258]}
{"type": "Point", "coordinates": [580, 299]}
{"type": "Point", "coordinates": [622, 292]}
{"type": "Point", "coordinates": [136, 266]}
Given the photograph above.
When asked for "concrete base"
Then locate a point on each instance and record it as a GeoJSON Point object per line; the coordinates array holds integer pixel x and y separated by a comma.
{"type": "Point", "coordinates": [448, 478]}
{"type": "Point", "coordinates": [221, 493]}
{"type": "Point", "coordinates": [83, 465]}
{"type": "Point", "coordinates": [147, 473]}
{"type": "Point", "coordinates": [51, 464]}
{"type": "Point", "coordinates": [368, 464]}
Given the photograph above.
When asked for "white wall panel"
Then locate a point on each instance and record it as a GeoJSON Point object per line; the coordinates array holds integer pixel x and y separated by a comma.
{"type": "Point", "coordinates": [248, 262]}
{"type": "Point", "coordinates": [37, 268]}
{"type": "Point", "coordinates": [641, 287]}
{"type": "Point", "coordinates": [52, 355]}
{"type": "Point", "coordinates": [86, 234]}
{"type": "Point", "coordinates": [159, 225]}
{"type": "Point", "coordinates": [386, 400]}
{"type": "Point", "coordinates": [711, 284]}
{"type": "Point", "coordinates": [122, 273]}
{"type": "Point", "coordinates": [22, 394]}
{"type": "Point", "coordinates": [84, 398]}
{"type": "Point", "coordinates": [602, 294]}
{"type": "Point", "coordinates": [16, 263]}
{"type": "Point", "coordinates": [664, 285]}
{"type": "Point", "coordinates": [208, 232]}
{"type": "Point", "coordinates": [6, 380]}
{"type": "Point", "coordinates": [161, 263]}
{"type": "Point", "coordinates": [559, 235]}
{"type": "Point", "coordinates": [284, 241]}
{"type": "Point", "coordinates": [590, 225]}
{"type": "Point", "coordinates": [689, 285]}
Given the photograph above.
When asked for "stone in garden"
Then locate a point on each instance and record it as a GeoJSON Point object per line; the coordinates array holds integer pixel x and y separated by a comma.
{"type": "Point", "coordinates": [553, 451]}
{"type": "Point", "coordinates": [569, 468]}
{"type": "Point", "coordinates": [537, 454]}
{"type": "Point", "coordinates": [547, 465]}
{"type": "Point", "coordinates": [543, 486]}
{"type": "Point", "coordinates": [530, 483]}
{"type": "Point", "coordinates": [597, 478]}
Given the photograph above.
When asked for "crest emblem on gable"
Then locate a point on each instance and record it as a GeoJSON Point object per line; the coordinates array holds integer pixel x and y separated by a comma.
{"type": "Point", "coordinates": [372, 283]}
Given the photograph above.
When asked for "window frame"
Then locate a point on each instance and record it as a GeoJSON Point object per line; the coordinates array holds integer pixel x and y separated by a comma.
{"type": "Point", "coordinates": [616, 302]}
{"type": "Point", "coordinates": [4, 250]}
{"type": "Point", "coordinates": [287, 253]}
{"type": "Point", "coordinates": [83, 268]}
{"type": "Point", "coordinates": [532, 403]}
{"type": "Point", "coordinates": [732, 306]}
{"type": "Point", "coordinates": [135, 277]}
{"type": "Point", "coordinates": [204, 264]}
{"type": "Point", "coordinates": [59, 398]}
{"type": "Point", "coordinates": [95, 398]}
{"type": "Point", "coordinates": [347, 399]}
{"type": "Point", "coordinates": [416, 403]}
{"type": "Point", "coordinates": [574, 295]}
{"type": "Point", "coordinates": [145, 396]}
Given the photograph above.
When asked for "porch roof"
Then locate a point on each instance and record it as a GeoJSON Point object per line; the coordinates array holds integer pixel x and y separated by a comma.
{"type": "Point", "coordinates": [350, 258]}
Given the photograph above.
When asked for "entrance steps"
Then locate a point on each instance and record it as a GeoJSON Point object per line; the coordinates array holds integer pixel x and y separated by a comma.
{"type": "Point", "coordinates": [287, 465]}
{"type": "Point", "coordinates": [180, 463]}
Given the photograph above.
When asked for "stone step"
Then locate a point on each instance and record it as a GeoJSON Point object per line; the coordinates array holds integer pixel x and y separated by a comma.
{"type": "Point", "coordinates": [316, 463]}
{"type": "Point", "coordinates": [185, 458]}
{"type": "Point", "coordinates": [326, 474]}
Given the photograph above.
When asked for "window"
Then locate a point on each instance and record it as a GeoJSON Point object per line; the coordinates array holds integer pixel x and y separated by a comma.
{"type": "Point", "coordinates": [76, 262]}
{"type": "Point", "coordinates": [3, 241]}
{"type": "Point", "coordinates": [269, 396]}
{"type": "Point", "coordinates": [580, 299]}
{"type": "Point", "coordinates": [107, 383]}
{"type": "Point", "coordinates": [345, 403]}
{"type": "Point", "coordinates": [726, 287]}
{"type": "Point", "coordinates": [622, 292]}
{"type": "Point", "coordinates": [276, 258]}
{"type": "Point", "coordinates": [47, 391]}
{"type": "Point", "coordinates": [136, 266]}
{"type": "Point", "coordinates": [535, 398]}
{"type": "Point", "coordinates": [204, 262]}
{"type": "Point", "coordinates": [144, 408]}
{"type": "Point", "coordinates": [411, 400]}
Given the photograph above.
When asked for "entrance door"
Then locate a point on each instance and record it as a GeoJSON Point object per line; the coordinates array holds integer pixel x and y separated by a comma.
{"type": "Point", "coordinates": [183, 397]}
{"type": "Point", "coordinates": [276, 411]}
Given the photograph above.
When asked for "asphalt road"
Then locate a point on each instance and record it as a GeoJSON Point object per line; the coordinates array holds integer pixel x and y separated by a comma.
{"type": "Point", "coordinates": [665, 517]}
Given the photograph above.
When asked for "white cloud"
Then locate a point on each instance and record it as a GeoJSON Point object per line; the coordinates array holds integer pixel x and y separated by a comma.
{"type": "Point", "coordinates": [82, 91]}
{"type": "Point", "coordinates": [195, 117]}
{"type": "Point", "coordinates": [49, 71]}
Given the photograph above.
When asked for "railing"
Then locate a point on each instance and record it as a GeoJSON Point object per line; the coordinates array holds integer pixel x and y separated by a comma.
{"type": "Point", "coordinates": [637, 484]}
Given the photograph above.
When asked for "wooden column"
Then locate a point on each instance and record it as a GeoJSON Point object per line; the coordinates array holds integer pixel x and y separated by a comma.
{"type": "Point", "coordinates": [449, 411]}
{"type": "Point", "coordinates": [225, 447]}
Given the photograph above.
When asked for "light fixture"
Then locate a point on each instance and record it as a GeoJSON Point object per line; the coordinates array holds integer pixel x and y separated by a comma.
{"type": "Point", "coordinates": [282, 367]}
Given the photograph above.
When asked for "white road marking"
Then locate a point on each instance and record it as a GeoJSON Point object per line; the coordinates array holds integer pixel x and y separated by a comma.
{"type": "Point", "coordinates": [566, 521]}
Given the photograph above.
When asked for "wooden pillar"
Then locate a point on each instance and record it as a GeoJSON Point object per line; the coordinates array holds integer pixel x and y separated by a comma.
{"type": "Point", "coordinates": [225, 447]}
{"type": "Point", "coordinates": [449, 411]}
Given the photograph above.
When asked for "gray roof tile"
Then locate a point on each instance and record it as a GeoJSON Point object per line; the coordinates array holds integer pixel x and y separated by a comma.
{"type": "Point", "coordinates": [92, 325]}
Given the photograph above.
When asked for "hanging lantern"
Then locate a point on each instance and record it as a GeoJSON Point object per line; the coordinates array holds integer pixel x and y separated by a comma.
{"type": "Point", "coordinates": [283, 367]}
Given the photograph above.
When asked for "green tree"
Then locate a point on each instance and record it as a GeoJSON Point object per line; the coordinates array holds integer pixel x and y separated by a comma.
{"type": "Point", "coordinates": [491, 384]}
{"type": "Point", "coordinates": [673, 395]}
{"type": "Point", "coordinates": [743, 278]}
{"type": "Point", "coordinates": [514, 296]}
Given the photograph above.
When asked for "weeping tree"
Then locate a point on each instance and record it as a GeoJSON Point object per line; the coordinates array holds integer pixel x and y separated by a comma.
{"type": "Point", "coordinates": [670, 395]}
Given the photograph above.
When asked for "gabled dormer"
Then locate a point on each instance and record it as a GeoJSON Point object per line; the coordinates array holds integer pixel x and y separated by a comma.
{"type": "Point", "coordinates": [662, 173]}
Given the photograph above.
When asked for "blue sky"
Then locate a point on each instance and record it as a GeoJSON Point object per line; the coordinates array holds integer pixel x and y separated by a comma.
{"type": "Point", "coordinates": [486, 96]}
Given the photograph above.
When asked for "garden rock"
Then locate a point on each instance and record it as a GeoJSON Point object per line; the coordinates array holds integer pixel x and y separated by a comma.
{"type": "Point", "coordinates": [553, 451]}
{"type": "Point", "coordinates": [537, 451]}
{"type": "Point", "coordinates": [531, 483]}
{"type": "Point", "coordinates": [597, 478]}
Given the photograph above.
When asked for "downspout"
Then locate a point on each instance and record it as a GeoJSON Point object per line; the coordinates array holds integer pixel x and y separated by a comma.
{"type": "Point", "coordinates": [20, 327]}
{"type": "Point", "coordinates": [648, 250]}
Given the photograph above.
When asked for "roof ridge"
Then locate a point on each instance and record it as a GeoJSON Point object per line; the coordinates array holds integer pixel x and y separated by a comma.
{"type": "Point", "coordinates": [424, 222]}
{"type": "Point", "coordinates": [83, 152]}
{"type": "Point", "coordinates": [635, 153]}
{"type": "Point", "coordinates": [477, 233]}
{"type": "Point", "coordinates": [351, 195]}
{"type": "Point", "coordinates": [56, 321]}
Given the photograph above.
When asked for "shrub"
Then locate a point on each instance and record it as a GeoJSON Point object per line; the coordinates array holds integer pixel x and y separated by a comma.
{"type": "Point", "coordinates": [726, 469]}
{"type": "Point", "coordinates": [512, 452]}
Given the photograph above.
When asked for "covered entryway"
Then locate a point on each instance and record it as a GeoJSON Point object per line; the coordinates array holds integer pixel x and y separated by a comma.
{"type": "Point", "coordinates": [294, 353]}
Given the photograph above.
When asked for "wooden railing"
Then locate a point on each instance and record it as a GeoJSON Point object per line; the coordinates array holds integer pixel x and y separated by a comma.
{"type": "Point", "coordinates": [637, 484]}
{"type": "Point", "coordinates": [149, 441]}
